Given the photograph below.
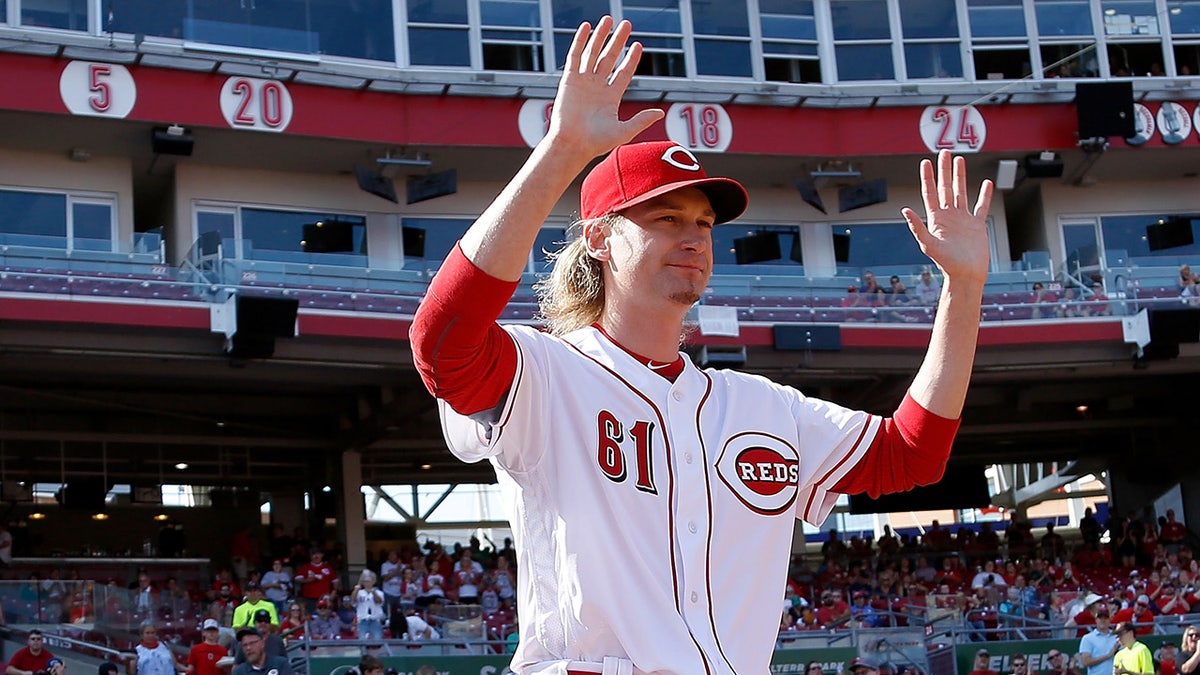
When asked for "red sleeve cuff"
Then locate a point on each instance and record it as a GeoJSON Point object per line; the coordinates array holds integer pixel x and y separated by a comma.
{"type": "Point", "coordinates": [461, 288]}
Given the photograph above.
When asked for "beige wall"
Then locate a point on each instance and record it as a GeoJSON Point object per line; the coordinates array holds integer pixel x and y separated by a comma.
{"type": "Point", "coordinates": [110, 176]}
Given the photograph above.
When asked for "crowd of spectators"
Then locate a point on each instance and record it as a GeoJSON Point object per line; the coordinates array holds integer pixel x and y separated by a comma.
{"type": "Point", "coordinates": [1137, 568]}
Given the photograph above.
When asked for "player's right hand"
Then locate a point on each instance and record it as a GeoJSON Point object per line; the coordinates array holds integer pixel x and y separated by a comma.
{"type": "Point", "coordinates": [595, 77]}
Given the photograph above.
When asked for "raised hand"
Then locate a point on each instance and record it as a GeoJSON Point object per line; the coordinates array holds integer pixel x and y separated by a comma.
{"type": "Point", "coordinates": [953, 235]}
{"type": "Point", "coordinates": [594, 79]}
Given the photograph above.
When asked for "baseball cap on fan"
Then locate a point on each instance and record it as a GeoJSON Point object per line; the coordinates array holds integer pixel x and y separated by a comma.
{"type": "Point", "coordinates": [637, 172]}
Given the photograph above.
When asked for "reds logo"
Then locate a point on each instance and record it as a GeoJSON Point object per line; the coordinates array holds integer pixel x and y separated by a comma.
{"type": "Point", "coordinates": [762, 470]}
{"type": "Point", "coordinates": [679, 157]}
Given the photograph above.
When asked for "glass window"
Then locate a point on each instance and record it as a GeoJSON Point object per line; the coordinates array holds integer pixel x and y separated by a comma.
{"type": "Point", "coordinates": [438, 34]}
{"type": "Point", "coordinates": [933, 59]}
{"type": "Point", "coordinates": [340, 237]}
{"type": "Point", "coordinates": [41, 214]}
{"type": "Point", "coordinates": [928, 19]}
{"type": "Point", "coordinates": [1131, 233]}
{"type": "Point", "coordinates": [996, 18]}
{"type": "Point", "coordinates": [721, 17]}
{"type": "Point", "coordinates": [881, 244]}
{"type": "Point", "coordinates": [723, 58]}
{"type": "Point", "coordinates": [654, 16]}
{"type": "Point", "coordinates": [1129, 17]}
{"type": "Point", "coordinates": [724, 251]}
{"type": "Point", "coordinates": [1187, 60]}
{"type": "Point", "coordinates": [64, 14]}
{"type": "Point", "coordinates": [511, 39]}
{"type": "Point", "coordinates": [657, 25]}
{"type": "Point", "coordinates": [440, 235]}
{"type": "Point", "coordinates": [1063, 17]}
{"type": "Point", "coordinates": [92, 226]}
{"type": "Point", "coordinates": [225, 222]}
{"type": "Point", "coordinates": [1184, 16]}
{"type": "Point", "coordinates": [789, 44]}
{"type": "Point", "coordinates": [1136, 59]}
{"type": "Point", "coordinates": [567, 15]}
{"type": "Point", "coordinates": [860, 20]}
{"type": "Point", "coordinates": [864, 62]}
{"type": "Point", "coordinates": [360, 29]}
{"type": "Point", "coordinates": [1070, 60]}
{"type": "Point", "coordinates": [1001, 63]}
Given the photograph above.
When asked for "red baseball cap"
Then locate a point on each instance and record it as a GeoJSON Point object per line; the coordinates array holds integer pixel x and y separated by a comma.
{"type": "Point", "coordinates": [637, 172]}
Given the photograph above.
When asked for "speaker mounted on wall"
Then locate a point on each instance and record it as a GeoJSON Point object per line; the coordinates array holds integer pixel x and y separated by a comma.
{"type": "Point", "coordinates": [1105, 109]}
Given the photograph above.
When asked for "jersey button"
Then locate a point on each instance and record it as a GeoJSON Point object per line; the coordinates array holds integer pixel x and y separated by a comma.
{"type": "Point", "coordinates": [687, 457]}
{"type": "Point", "coordinates": [695, 596]}
{"type": "Point", "coordinates": [692, 526]}
{"type": "Point", "coordinates": [677, 395]}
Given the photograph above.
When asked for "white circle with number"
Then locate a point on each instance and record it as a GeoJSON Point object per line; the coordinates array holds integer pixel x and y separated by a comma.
{"type": "Point", "coordinates": [1174, 122]}
{"type": "Point", "coordinates": [960, 129]}
{"type": "Point", "coordinates": [534, 120]}
{"type": "Point", "coordinates": [700, 127]}
{"type": "Point", "coordinates": [97, 89]}
{"type": "Point", "coordinates": [253, 103]}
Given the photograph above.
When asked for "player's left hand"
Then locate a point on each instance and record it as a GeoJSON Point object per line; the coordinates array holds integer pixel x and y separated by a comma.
{"type": "Point", "coordinates": [953, 234]}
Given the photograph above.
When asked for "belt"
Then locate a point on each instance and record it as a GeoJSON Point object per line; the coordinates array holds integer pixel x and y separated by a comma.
{"type": "Point", "coordinates": [611, 666]}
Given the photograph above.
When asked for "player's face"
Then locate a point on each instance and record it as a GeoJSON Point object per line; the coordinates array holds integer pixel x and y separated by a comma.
{"type": "Point", "coordinates": [664, 250]}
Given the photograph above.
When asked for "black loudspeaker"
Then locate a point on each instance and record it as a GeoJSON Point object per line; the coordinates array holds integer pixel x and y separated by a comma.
{"type": "Point", "coordinates": [431, 185]}
{"type": "Point", "coordinates": [166, 143]}
{"type": "Point", "coordinates": [1170, 328]}
{"type": "Point", "coordinates": [814, 338]}
{"type": "Point", "coordinates": [1038, 167]}
{"type": "Point", "coordinates": [757, 248]}
{"type": "Point", "coordinates": [1170, 233]}
{"type": "Point", "coordinates": [414, 242]}
{"type": "Point", "coordinates": [863, 194]}
{"type": "Point", "coordinates": [375, 183]}
{"type": "Point", "coordinates": [1105, 109]}
{"type": "Point", "coordinates": [841, 248]}
{"type": "Point", "coordinates": [259, 321]}
{"type": "Point", "coordinates": [84, 493]}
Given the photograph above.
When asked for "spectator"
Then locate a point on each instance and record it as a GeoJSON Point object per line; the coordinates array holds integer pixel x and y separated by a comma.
{"type": "Point", "coordinates": [32, 658]}
{"type": "Point", "coordinates": [1134, 657]}
{"type": "Point", "coordinates": [370, 665]}
{"type": "Point", "coordinates": [1053, 545]}
{"type": "Point", "coordinates": [1167, 659]}
{"type": "Point", "coordinates": [928, 291]}
{"type": "Point", "coordinates": [853, 304]}
{"type": "Point", "coordinates": [1097, 648]}
{"type": "Point", "coordinates": [277, 585]}
{"type": "Point", "coordinates": [315, 579]}
{"type": "Point", "coordinates": [1057, 663]}
{"type": "Point", "coordinates": [257, 660]}
{"type": "Point", "coordinates": [1018, 664]}
{"type": "Point", "coordinates": [988, 577]}
{"type": "Point", "coordinates": [325, 625]}
{"type": "Point", "coordinates": [368, 607]}
{"type": "Point", "coordinates": [1070, 307]}
{"type": "Point", "coordinates": [152, 657]}
{"type": "Point", "coordinates": [1139, 614]}
{"type": "Point", "coordinates": [1189, 659]}
{"type": "Point", "coordinates": [1173, 533]}
{"type": "Point", "coordinates": [244, 614]}
{"type": "Point", "coordinates": [503, 579]}
{"type": "Point", "coordinates": [1043, 301]}
{"type": "Point", "coordinates": [814, 668]}
{"type": "Point", "coordinates": [1172, 599]}
{"type": "Point", "coordinates": [1089, 527]}
{"type": "Point", "coordinates": [391, 580]}
{"type": "Point", "coordinates": [419, 629]}
{"type": "Point", "coordinates": [204, 656]}
{"type": "Point", "coordinates": [468, 574]}
{"type": "Point", "coordinates": [346, 612]}
{"type": "Point", "coordinates": [293, 625]}
{"type": "Point", "coordinates": [434, 586]}
{"type": "Point", "coordinates": [1098, 303]}
{"type": "Point", "coordinates": [224, 605]}
{"type": "Point", "coordinates": [272, 643]}
{"type": "Point", "coordinates": [863, 666]}
{"type": "Point", "coordinates": [6, 542]}
{"type": "Point", "coordinates": [983, 663]}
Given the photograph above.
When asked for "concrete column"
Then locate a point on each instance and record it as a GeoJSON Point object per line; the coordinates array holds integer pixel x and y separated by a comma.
{"type": "Point", "coordinates": [351, 516]}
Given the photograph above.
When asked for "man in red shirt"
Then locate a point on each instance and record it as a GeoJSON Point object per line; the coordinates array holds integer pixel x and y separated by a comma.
{"type": "Point", "coordinates": [1173, 533]}
{"type": "Point", "coordinates": [1173, 600]}
{"type": "Point", "coordinates": [32, 658]}
{"type": "Point", "coordinates": [1139, 614]}
{"type": "Point", "coordinates": [315, 579]}
{"type": "Point", "coordinates": [204, 657]}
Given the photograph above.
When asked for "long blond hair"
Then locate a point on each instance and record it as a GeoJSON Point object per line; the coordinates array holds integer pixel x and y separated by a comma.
{"type": "Point", "coordinates": [572, 297]}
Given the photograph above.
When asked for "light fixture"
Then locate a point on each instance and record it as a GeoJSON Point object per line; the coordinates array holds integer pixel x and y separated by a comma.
{"type": "Point", "coordinates": [172, 140]}
{"type": "Point", "coordinates": [100, 516]}
{"type": "Point", "coordinates": [181, 466]}
{"type": "Point", "coordinates": [37, 515]}
{"type": "Point", "coordinates": [161, 517]}
{"type": "Point", "coordinates": [1081, 409]}
{"type": "Point", "coordinates": [426, 467]}
{"type": "Point", "coordinates": [326, 489]}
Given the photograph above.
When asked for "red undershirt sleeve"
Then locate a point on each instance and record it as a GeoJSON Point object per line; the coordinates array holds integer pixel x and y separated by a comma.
{"type": "Point", "coordinates": [464, 357]}
{"type": "Point", "coordinates": [910, 449]}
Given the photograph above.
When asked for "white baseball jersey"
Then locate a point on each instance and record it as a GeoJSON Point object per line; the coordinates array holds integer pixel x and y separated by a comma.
{"type": "Point", "coordinates": [640, 505]}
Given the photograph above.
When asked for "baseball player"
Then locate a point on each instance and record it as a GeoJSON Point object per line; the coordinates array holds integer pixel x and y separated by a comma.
{"type": "Point", "coordinates": [638, 485]}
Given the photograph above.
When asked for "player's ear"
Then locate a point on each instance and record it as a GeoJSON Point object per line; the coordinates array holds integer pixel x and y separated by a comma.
{"type": "Point", "coordinates": [595, 238]}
